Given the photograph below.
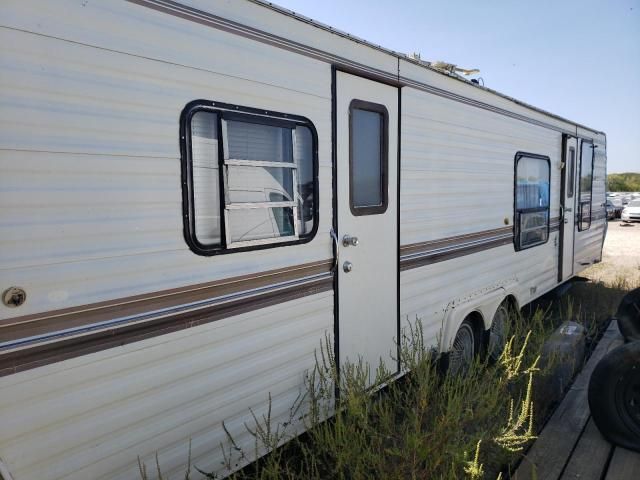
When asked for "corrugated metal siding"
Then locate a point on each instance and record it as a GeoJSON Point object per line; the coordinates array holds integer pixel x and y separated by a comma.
{"type": "Point", "coordinates": [467, 90]}
{"type": "Point", "coordinates": [91, 417]}
{"type": "Point", "coordinates": [90, 210]}
{"type": "Point", "coordinates": [89, 150]}
{"type": "Point", "coordinates": [148, 34]}
{"type": "Point", "coordinates": [457, 178]}
{"type": "Point", "coordinates": [458, 167]}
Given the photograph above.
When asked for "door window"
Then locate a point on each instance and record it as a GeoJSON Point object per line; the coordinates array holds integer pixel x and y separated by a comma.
{"type": "Point", "coordinates": [368, 158]}
{"type": "Point", "coordinates": [571, 172]}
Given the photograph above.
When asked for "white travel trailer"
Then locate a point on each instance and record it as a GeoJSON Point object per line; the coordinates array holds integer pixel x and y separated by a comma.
{"type": "Point", "coordinates": [194, 193]}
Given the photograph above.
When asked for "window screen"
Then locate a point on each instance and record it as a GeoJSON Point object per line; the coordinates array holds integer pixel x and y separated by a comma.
{"type": "Point", "coordinates": [260, 182]}
{"type": "Point", "coordinates": [251, 179]}
{"type": "Point", "coordinates": [585, 186]}
{"type": "Point", "coordinates": [532, 200]}
{"type": "Point", "coordinates": [368, 159]}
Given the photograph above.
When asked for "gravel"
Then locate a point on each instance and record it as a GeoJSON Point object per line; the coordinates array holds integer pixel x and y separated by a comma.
{"type": "Point", "coordinates": [620, 256]}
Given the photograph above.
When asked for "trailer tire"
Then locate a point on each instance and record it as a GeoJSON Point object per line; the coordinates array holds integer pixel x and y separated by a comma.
{"type": "Point", "coordinates": [464, 348]}
{"type": "Point", "coordinates": [614, 396]}
{"type": "Point", "coordinates": [628, 316]}
{"type": "Point", "coordinates": [498, 332]}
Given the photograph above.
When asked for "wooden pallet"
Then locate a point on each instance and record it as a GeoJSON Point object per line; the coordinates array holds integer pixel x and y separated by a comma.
{"type": "Point", "coordinates": [570, 446]}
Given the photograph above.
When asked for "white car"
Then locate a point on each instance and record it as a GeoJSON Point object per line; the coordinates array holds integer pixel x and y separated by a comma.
{"type": "Point", "coordinates": [631, 212]}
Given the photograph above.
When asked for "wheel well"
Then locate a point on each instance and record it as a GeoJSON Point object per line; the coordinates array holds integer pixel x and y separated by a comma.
{"type": "Point", "coordinates": [512, 302]}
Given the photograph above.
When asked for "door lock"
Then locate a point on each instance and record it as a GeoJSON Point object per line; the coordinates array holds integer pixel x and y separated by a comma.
{"type": "Point", "coordinates": [348, 240]}
{"type": "Point", "coordinates": [347, 267]}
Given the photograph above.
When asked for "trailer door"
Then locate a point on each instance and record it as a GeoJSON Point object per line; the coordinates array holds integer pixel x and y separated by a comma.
{"type": "Point", "coordinates": [366, 135]}
{"type": "Point", "coordinates": [567, 207]}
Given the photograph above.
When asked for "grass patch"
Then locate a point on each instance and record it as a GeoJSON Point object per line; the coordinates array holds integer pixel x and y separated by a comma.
{"type": "Point", "coordinates": [424, 425]}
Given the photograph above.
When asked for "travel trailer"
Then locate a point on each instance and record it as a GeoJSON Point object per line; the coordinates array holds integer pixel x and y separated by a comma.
{"type": "Point", "coordinates": [194, 194]}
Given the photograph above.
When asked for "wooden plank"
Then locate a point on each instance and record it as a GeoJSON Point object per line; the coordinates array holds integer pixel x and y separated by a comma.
{"type": "Point", "coordinates": [547, 457]}
{"type": "Point", "coordinates": [625, 465]}
{"type": "Point", "coordinates": [590, 456]}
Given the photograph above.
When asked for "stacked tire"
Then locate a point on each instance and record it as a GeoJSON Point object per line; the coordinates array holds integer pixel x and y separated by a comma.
{"type": "Point", "coordinates": [614, 388]}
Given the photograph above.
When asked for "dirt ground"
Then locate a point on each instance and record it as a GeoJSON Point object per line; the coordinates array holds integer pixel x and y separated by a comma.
{"type": "Point", "coordinates": [620, 256]}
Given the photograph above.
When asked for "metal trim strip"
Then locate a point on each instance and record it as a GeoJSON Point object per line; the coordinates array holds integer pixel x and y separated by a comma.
{"type": "Point", "coordinates": [454, 240]}
{"type": "Point", "coordinates": [457, 247]}
{"type": "Point", "coordinates": [160, 313]}
{"type": "Point", "coordinates": [437, 256]}
{"type": "Point", "coordinates": [33, 325]}
{"type": "Point", "coordinates": [36, 351]}
{"type": "Point", "coordinates": [435, 251]}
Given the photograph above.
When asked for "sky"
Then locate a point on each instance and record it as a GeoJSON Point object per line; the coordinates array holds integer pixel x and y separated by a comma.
{"type": "Point", "coordinates": [577, 59]}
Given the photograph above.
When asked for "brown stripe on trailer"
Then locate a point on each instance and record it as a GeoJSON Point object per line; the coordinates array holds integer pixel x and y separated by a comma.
{"type": "Point", "coordinates": [430, 257]}
{"type": "Point", "coordinates": [425, 253]}
{"type": "Point", "coordinates": [422, 247]}
{"type": "Point", "coordinates": [36, 340]}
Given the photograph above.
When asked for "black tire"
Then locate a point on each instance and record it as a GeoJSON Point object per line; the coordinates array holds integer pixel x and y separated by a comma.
{"type": "Point", "coordinates": [465, 347]}
{"type": "Point", "coordinates": [628, 316]}
{"type": "Point", "coordinates": [497, 333]}
{"type": "Point", "coordinates": [614, 396]}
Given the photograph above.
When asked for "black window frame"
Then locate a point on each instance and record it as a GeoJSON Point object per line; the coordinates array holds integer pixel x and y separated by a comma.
{"type": "Point", "coordinates": [356, 211]}
{"type": "Point", "coordinates": [228, 111]}
{"type": "Point", "coordinates": [580, 216]}
{"type": "Point", "coordinates": [516, 212]}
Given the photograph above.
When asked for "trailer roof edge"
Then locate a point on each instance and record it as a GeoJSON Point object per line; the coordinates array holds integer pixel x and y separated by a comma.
{"type": "Point", "coordinates": [407, 58]}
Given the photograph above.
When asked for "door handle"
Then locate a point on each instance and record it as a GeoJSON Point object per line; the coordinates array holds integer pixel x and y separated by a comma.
{"type": "Point", "coordinates": [336, 246]}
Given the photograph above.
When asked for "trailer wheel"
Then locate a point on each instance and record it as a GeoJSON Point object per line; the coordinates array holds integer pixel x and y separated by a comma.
{"type": "Point", "coordinates": [628, 316]}
{"type": "Point", "coordinates": [614, 396]}
{"type": "Point", "coordinates": [464, 349]}
{"type": "Point", "coordinates": [498, 332]}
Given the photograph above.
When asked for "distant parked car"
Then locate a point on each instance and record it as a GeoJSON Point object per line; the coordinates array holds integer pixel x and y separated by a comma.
{"type": "Point", "coordinates": [631, 212]}
{"type": "Point", "coordinates": [611, 211]}
{"type": "Point", "coordinates": [617, 205]}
